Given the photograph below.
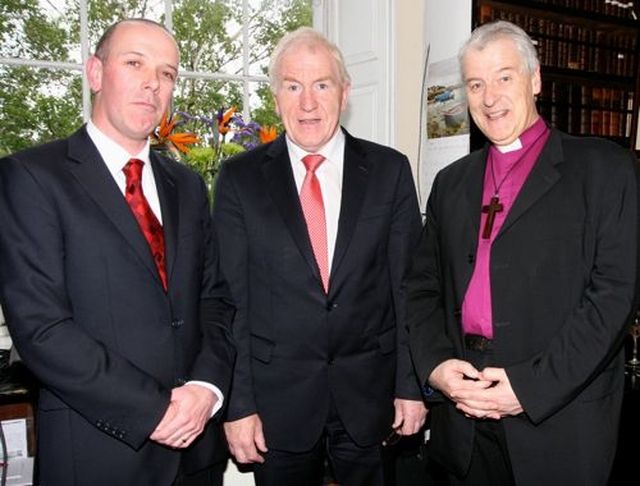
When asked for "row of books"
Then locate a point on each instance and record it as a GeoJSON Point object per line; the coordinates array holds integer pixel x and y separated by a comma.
{"type": "Point", "coordinates": [562, 53]}
{"type": "Point", "coordinates": [614, 8]}
{"type": "Point", "coordinates": [587, 110]}
{"type": "Point", "coordinates": [570, 46]}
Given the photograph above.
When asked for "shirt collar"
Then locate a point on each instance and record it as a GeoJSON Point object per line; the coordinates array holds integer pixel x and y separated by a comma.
{"type": "Point", "coordinates": [332, 151]}
{"type": "Point", "coordinates": [526, 138]}
{"type": "Point", "coordinates": [114, 155]}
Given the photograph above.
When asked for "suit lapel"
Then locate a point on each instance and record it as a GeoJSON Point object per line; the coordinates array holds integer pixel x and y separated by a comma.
{"type": "Point", "coordinates": [543, 176]}
{"type": "Point", "coordinates": [355, 179]}
{"type": "Point", "coordinates": [276, 170]}
{"type": "Point", "coordinates": [168, 196]}
{"type": "Point", "coordinates": [471, 206]}
{"type": "Point", "coordinates": [472, 190]}
{"type": "Point", "coordinates": [91, 172]}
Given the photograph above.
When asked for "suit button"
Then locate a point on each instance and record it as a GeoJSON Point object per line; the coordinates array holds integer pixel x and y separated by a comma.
{"type": "Point", "coordinates": [176, 323]}
{"type": "Point", "coordinates": [331, 361]}
{"type": "Point", "coordinates": [180, 381]}
{"type": "Point", "coordinates": [331, 305]}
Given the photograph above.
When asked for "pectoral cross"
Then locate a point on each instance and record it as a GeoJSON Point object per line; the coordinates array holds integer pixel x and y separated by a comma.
{"type": "Point", "coordinates": [491, 209]}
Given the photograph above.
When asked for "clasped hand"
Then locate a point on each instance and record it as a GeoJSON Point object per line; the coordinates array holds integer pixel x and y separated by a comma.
{"type": "Point", "coordinates": [485, 394]}
{"type": "Point", "coordinates": [189, 410]}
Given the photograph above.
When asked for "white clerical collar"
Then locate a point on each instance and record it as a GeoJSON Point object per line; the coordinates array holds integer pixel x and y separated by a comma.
{"type": "Point", "coordinates": [512, 147]}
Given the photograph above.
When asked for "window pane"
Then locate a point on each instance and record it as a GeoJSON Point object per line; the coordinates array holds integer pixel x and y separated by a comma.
{"type": "Point", "coordinates": [211, 34]}
{"type": "Point", "coordinates": [262, 107]}
{"type": "Point", "coordinates": [199, 96]}
{"type": "Point", "coordinates": [38, 105]}
{"type": "Point", "coordinates": [32, 30]}
{"type": "Point", "coordinates": [208, 35]}
{"type": "Point", "coordinates": [223, 64]}
{"type": "Point", "coordinates": [103, 13]}
{"type": "Point", "coordinates": [269, 21]}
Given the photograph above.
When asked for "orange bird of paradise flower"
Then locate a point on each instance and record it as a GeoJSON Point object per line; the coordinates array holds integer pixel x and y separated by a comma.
{"type": "Point", "coordinates": [267, 134]}
{"type": "Point", "coordinates": [163, 135]}
{"type": "Point", "coordinates": [223, 120]}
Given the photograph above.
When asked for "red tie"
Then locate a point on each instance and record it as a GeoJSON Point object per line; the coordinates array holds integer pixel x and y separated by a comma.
{"type": "Point", "coordinates": [148, 222]}
{"type": "Point", "coordinates": [313, 209]}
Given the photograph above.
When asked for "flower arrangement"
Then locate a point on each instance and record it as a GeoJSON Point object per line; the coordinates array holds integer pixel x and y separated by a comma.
{"type": "Point", "coordinates": [225, 134]}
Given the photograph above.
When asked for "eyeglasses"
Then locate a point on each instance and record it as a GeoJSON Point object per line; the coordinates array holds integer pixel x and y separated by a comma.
{"type": "Point", "coordinates": [392, 439]}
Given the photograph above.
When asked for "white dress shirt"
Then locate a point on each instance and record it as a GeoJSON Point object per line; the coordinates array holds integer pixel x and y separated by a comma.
{"type": "Point", "coordinates": [117, 157]}
{"type": "Point", "coordinates": [329, 175]}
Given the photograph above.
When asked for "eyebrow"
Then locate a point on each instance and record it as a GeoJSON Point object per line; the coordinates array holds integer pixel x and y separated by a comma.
{"type": "Point", "coordinates": [140, 54]}
{"type": "Point", "coordinates": [293, 80]}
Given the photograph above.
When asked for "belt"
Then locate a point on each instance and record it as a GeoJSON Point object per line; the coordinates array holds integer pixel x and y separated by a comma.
{"type": "Point", "coordinates": [477, 342]}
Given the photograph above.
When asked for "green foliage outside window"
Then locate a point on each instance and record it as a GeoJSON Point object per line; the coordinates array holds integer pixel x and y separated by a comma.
{"type": "Point", "coordinates": [38, 104]}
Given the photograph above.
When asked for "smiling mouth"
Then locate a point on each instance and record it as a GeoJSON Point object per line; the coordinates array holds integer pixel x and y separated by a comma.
{"type": "Point", "coordinates": [496, 115]}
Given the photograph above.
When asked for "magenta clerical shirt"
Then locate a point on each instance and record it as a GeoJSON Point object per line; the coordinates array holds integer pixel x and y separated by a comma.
{"type": "Point", "coordinates": [505, 173]}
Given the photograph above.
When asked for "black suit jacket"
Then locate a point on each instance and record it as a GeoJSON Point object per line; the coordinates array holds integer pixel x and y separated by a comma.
{"type": "Point", "coordinates": [562, 283]}
{"type": "Point", "coordinates": [298, 346]}
{"type": "Point", "coordinates": [89, 316]}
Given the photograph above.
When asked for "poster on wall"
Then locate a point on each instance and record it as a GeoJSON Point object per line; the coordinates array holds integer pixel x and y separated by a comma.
{"type": "Point", "coordinates": [444, 125]}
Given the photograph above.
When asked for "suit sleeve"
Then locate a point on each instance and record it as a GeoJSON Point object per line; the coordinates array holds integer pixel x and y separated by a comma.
{"type": "Point", "coordinates": [425, 299]}
{"type": "Point", "coordinates": [214, 362]}
{"type": "Point", "coordinates": [232, 238]}
{"type": "Point", "coordinates": [590, 336]}
{"type": "Point", "coordinates": [403, 235]}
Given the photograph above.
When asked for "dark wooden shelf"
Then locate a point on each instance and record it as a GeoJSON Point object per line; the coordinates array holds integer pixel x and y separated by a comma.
{"type": "Point", "coordinates": [18, 397]}
{"type": "Point", "coordinates": [580, 13]}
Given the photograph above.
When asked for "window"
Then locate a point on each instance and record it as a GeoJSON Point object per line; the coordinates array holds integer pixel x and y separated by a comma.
{"type": "Point", "coordinates": [224, 47]}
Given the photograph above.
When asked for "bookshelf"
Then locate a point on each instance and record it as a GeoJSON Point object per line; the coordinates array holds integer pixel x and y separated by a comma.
{"type": "Point", "coordinates": [589, 52]}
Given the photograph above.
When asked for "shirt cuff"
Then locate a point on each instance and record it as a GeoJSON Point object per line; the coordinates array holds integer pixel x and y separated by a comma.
{"type": "Point", "coordinates": [215, 390]}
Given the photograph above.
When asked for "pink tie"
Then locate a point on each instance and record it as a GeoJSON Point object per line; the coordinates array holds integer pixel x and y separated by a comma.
{"type": "Point", "coordinates": [313, 209]}
{"type": "Point", "coordinates": [149, 224]}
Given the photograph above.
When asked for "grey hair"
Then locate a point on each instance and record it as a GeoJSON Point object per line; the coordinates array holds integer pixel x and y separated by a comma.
{"type": "Point", "coordinates": [311, 38]}
{"type": "Point", "coordinates": [501, 29]}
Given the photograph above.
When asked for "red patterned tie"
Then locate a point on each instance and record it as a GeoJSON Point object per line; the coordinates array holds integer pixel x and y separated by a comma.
{"type": "Point", "coordinates": [148, 222]}
{"type": "Point", "coordinates": [313, 209]}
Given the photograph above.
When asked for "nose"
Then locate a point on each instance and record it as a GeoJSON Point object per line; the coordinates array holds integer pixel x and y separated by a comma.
{"type": "Point", "coordinates": [308, 100]}
{"type": "Point", "coordinates": [490, 95]}
{"type": "Point", "coordinates": [152, 79]}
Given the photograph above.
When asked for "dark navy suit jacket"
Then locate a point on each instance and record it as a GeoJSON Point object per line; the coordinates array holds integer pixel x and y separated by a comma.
{"type": "Point", "coordinates": [89, 316]}
{"type": "Point", "coordinates": [297, 346]}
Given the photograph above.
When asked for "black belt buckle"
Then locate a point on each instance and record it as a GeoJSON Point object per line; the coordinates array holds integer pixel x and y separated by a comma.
{"type": "Point", "coordinates": [477, 342]}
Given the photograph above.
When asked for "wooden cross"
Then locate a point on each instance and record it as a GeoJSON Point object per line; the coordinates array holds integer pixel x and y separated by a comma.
{"type": "Point", "coordinates": [491, 210]}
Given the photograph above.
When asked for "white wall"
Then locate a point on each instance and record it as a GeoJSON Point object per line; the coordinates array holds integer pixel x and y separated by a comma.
{"type": "Point", "coordinates": [441, 24]}
{"type": "Point", "coordinates": [409, 54]}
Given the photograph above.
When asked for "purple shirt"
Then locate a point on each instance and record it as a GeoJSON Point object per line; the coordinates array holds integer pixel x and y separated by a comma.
{"type": "Point", "coordinates": [504, 176]}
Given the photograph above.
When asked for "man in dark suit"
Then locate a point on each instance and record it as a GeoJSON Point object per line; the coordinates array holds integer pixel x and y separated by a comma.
{"type": "Point", "coordinates": [134, 357]}
{"type": "Point", "coordinates": [521, 285]}
{"type": "Point", "coordinates": [323, 359]}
